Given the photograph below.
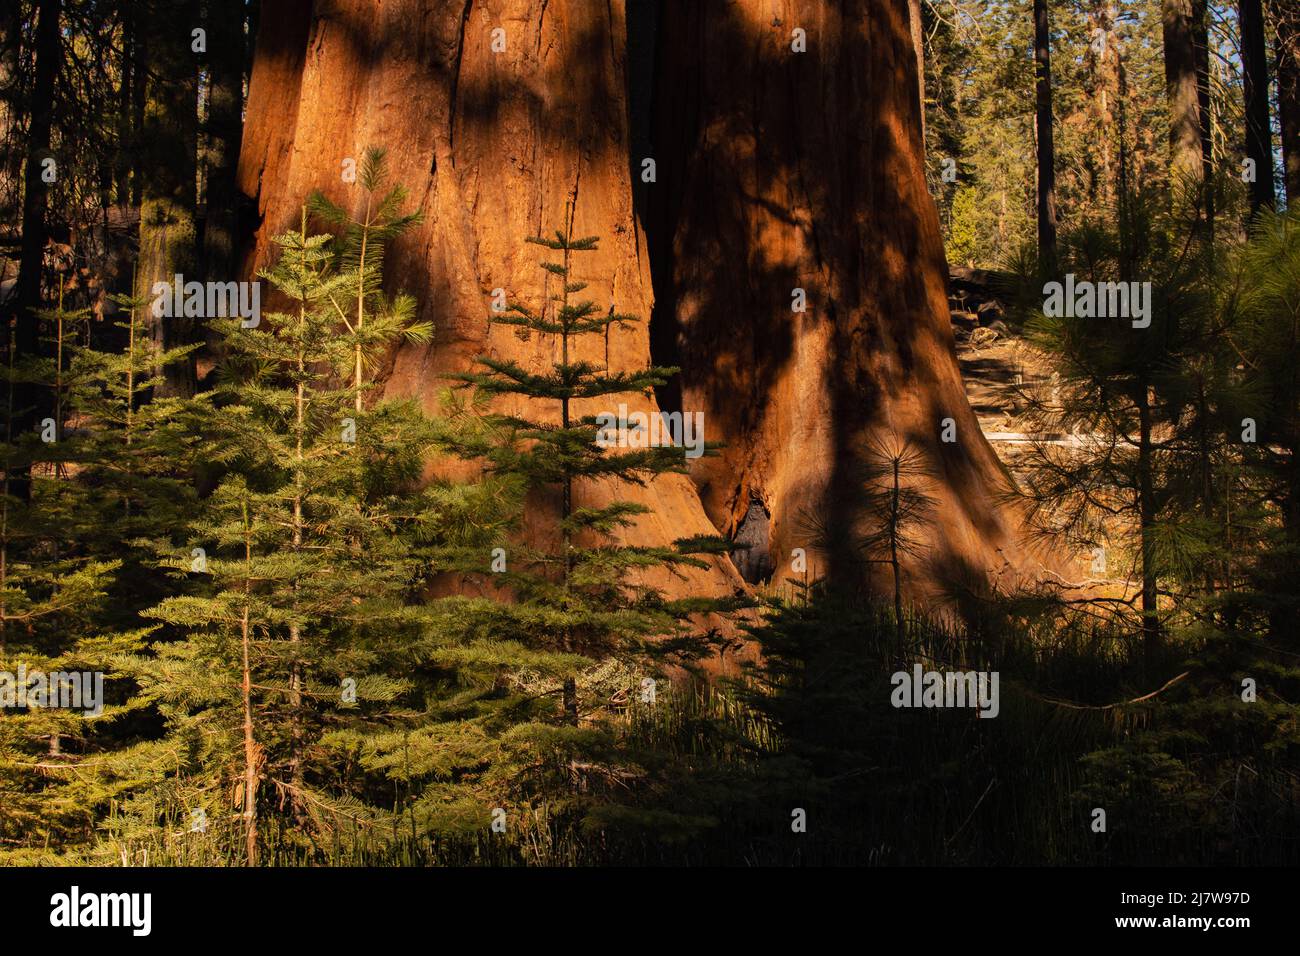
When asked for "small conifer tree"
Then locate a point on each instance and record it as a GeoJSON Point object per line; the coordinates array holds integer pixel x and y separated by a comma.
{"type": "Point", "coordinates": [305, 542]}
{"type": "Point", "coordinates": [75, 569]}
{"type": "Point", "coordinates": [580, 599]}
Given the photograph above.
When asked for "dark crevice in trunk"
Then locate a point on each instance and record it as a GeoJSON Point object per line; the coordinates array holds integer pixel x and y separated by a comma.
{"type": "Point", "coordinates": [650, 200]}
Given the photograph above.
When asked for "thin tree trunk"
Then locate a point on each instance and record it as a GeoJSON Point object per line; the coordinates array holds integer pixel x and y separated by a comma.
{"type": "Point", "coordinates": [11, 29]}
{"type": "Point", "coordinates": [169, 148]}
{"type": "Point", "coordinates": [128, 433]}
{"type": "Point", "coordinates": [225, 24]}
{"type": "Point", "coordinates": [1186, 157]}
{"type": "Point", "coordinates": [360, 322]}
{"type": "Point", "coordinates": [4, 489]}
{"type": "Point", "coordinates": [1286, 18]}
{"type": "Point", "coordinates": [1121, 85]}
{"type": "Point", "coordinates": [58, 372]}
{"type": "Point", "coordinates": [1147, 520]}
{"type": "Point", "coordinates": [1259, 136]}
{"type": "Point", "coordinates": [894, 520]}
{"type": "Point", "coordinates": [28, 398]}
{"type": "Point", "coordinates": [297, 741]}
{"type": "Point", "coordinates": [566, 506]}
{"type": "Point", "coordinates": [250, 742]}
{"type": "Point", "coordinates": [1201, 40]}
{"type": "Point", "coordinates": [1108, 101]}
{"type": "Point", "coordinates": [1047, 215]}
{"type": "Point", "coordinates": [136, 14]}
{"type": "Point", "coordinates": [126, 84]}
{"type": "Point", "coordinates": [917, 23]}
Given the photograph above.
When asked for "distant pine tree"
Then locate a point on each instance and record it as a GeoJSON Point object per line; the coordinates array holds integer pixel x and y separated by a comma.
{"type": "Point", "coordinates": [1142, 399]}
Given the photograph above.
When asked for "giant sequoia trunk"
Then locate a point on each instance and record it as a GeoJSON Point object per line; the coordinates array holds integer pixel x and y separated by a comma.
{"type": "Point", "coordinates": [782, 170]}
{"type": "Point", "coordinates": [492, 144]}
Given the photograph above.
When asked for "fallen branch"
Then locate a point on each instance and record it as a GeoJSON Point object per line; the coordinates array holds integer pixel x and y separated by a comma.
{"type": "Point", "coordinates": [1122, 703]}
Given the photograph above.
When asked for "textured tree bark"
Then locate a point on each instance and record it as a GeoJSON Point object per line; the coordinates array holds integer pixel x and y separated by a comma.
{"type": "Point", "coordinates": [1183, 92]}
{"type": "Point", "coordinates": [776, 170]}
{"type": "Point", "coordinates": [1106, 72]}
{"type": "Point", "coordinates": [1259, 135]}
{"type": "Point", "coordinates": [492, 133]}
{"type": "Point", "coordinates": [250, 748]}
{"type": "Point", "coordinates": [125, 131]}
{"type": "Point", "coordinates": [779, 171]}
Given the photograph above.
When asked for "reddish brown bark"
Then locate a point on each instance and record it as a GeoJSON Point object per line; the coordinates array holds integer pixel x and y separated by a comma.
{"type": "Point", "coordinates": [492, 145]}
{"type": "Point", "coordinates": [787, 170]}
{"type": "Point", "coordinates": [916, 21]}
{"type": "Point", "coordinates": [774, 171]}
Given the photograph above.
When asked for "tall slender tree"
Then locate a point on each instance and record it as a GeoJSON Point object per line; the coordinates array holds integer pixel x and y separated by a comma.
{"type": "Point", "coordinates": [1047, 212]}
{"type": "Point", "coordinates": [108, 494]}
{"type": "Point", "coordinates": [26, 298]}
{"type": "Point", "coordinates": [1180, 32]}
{"type": "Point", "coordinates": [225, 99]}
{"type": "Point", "coordinates": [1259, 133]}
{"type": "Point", "coordinates": [167, 164]}
{"type": "Point", "coordinates": [1286, 23]}
{"type": "Point", "coordinates": [307, 545]}
{"type": "Point", "coordinates": [1204, 89]}
{"type": "Point", "coordinates": [916, 21]}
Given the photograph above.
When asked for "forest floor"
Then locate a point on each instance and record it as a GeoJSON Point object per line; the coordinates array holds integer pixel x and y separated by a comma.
{"type": "Point", "coordinates": [996, 373]}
